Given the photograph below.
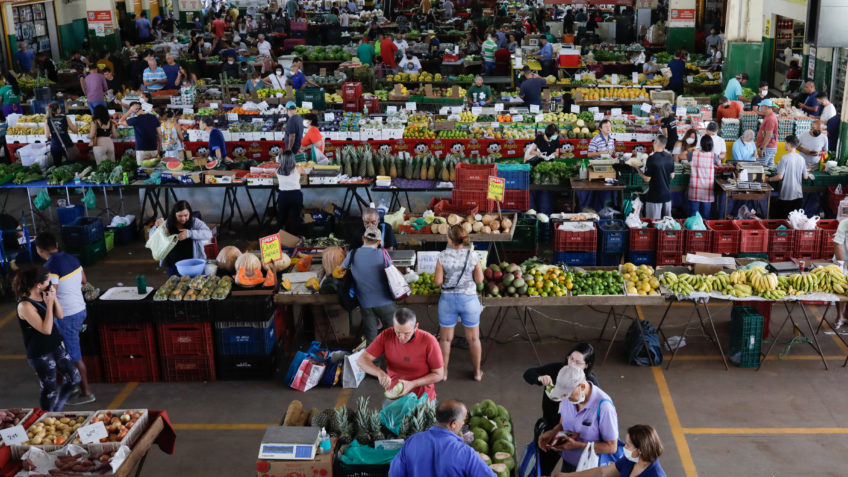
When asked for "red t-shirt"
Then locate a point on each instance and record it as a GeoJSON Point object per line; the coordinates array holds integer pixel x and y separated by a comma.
{"type": "Point", "coordinates": [411, 360]}
{"type": "Point", "coordinates": [769, 124]}
{"type": "Point", "coordinates": [733, 111]}
{"type": "Point", "coordinates": [218, 26]}
{"type": "Point", "coordinates": [311, 137]}
{"type": "Point", "coordinates": [387, 51]}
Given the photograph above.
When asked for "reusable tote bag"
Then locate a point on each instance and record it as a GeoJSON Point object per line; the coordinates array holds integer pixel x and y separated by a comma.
{"type": "Point", "coordinates": [160, 243]}
{"type": "Point", "coordinates": [397, 284]}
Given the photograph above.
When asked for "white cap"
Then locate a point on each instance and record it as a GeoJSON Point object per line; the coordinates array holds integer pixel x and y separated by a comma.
{"type": "Point", "coordinates": [567, 380]}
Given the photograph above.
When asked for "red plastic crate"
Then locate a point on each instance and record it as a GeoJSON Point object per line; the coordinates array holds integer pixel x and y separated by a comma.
{"type": "Point", "coordinates": [568, 241]}
{"type": "Point", "coordinates": [669, 258]}
{"type": "Point", "coordinates": [671, 241]}
{"type": "Point", "coordinates": [188, 368]}
{"type": "Point", "coordinates": [373, 105]}
{"type": "Point", "coordinates": [123, 369]}
{"type": "Point", "coordinates": [473, 198]}
{"type": "Point", "coordinates": [698, 241]}
{"type": "Point", "coordinates": [779, 241]}
{"type": "Point", "coordinates": [352, 106]}
{"type": "Point", "coordinates": [128, 339]}
{"type": "Point", "coordinates": [290, 43]}
{"type": "Point", "coordinates": [833, 200]}
{"type": "Point", "coordinates": [644, 239]}
{"type": "Point", "coordinates": [351, 91]}
{"type": "Point", "coordinates": [474, 176]}
{"type": "Point", "coordinates": [807, 244]}
{"type": "Point", "coordinates": [94, 368]}
{"type": "Point", "coordinates": [828, 230]}
{"type": "Point", "coordinates": [779, 256]}
{"type": "Point", "coordinates": [446, 207]}
{"type": "Point", "coordinates": [753, 237]}
{"type": "Point", "coordinates": [725, 236]}
{"type": "Point", "coordinates": [185, 339]}
{"type": "Point", "coordinates": [518, 200]}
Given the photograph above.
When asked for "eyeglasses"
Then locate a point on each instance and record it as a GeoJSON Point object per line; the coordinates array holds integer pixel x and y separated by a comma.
{"type": "Point", "coordinates": [575, 362]}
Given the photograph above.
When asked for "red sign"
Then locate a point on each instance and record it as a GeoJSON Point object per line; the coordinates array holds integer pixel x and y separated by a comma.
{"type": "Point", "coordinates": [682, 14]}
{"type": "Point", "coordinates": [100, 16]}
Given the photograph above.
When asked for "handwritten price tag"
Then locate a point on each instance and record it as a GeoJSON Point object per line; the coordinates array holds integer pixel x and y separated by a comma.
{"type": "Point", "coordinates": [646, 107]}
{"type": "Point", "coordinates": [426, 262]}
{"type": "Point", "coordinates": [232, 117]}
{"type": "Point", "coordinates": [689, 79]}
{"type": "Point", "coordinates": [14, 435]}
{"type": "Point", "coordinates": [575, 109]}
{"type": "Point", "coordinates": [92, 433]}
{"type": "Point", "coordinates": [540, 118]}
{"type": "Point", "coordinates": [329, 117]}
{"type": "Point", "coordinates": [517, 118]}
{"type": "Point", "coordinates": [534, 108]}
{"type": "Point", "coordinates": [306, 104]}
{"type": "Point", "coordinates": [496, 188]}
{"type": "Point", "coordinates": [270, 248]}
{"type": "Point", "coordinates": [635, 78]}
{"type": "Point", "coordinates": [499, 107]}
{"type": "Point", "coordinates": [594, 109]}
{"type": "Point", "coordinates": [599, 116]}
{"type": "Point", "coordinates": [213, 105]}
{"type": "Point", "coordinates": [412, 106]}
{"type": "Point", "coordinates": [477, 110]}
{"type": "Point", "coordinates": [615, 112]}
{"type": "Point", "coordinates": [391, 109]}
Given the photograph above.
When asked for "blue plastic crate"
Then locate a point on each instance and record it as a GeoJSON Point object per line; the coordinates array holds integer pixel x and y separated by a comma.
{"type": "Point", "coordinates": [84, 231]}
{"type": "Point", "coordinates": [67, 215]}
{"type": "Point", "coordinates": [576, 258]}
{"type": "Point", "coordinates": [639, 257]}
{"type": "Point", "coordinates": [245, 338]}
{"type": "Point", "coordinates": [609, 259]}
{"type": "Point", "coordinates": [612, 241]}
{"type": "Point", "coordinates": [517, 175]}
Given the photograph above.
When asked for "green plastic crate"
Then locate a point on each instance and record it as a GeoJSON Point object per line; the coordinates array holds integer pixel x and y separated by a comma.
{"type": "Point", "coordinates": [92, 253]}
{"type": "Point", "coordinates": [763, 256]}
{"type": "Point", "coordinates": [526, 236]}
{"type": "Point", "coordinates": [746, 330]}
{"type": "Point", "coordinates": [680, 179]}
{"type": "Point", "coordinates": [312, 95]}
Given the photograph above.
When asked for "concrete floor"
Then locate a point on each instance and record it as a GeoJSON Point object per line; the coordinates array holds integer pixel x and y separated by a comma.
{"type": "Point", "coordinates": [787, 419]}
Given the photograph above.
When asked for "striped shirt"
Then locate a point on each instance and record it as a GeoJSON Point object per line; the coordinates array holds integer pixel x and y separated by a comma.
{"type": "Point", "coordinates": [702, 178]}
{"type": "Point", "coordinates": [66, 270]}
{"type": "Point", "coordinates": [158, 75]}
{"type": "Point", "coordinates": [599, 143]}
{"type": "Point", "coordinates": [489, 48]}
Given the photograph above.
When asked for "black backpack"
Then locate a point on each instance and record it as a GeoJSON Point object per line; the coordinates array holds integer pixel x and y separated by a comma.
{"type": "Point", "coordinates": [636, 352]}
{"type": "Point", "coordinates": [346, 291]}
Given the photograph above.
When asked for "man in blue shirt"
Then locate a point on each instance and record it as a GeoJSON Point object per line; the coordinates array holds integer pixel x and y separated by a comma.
{"type": "Point", "coordinates": [296, 76]}
{"type": "Point", "coordinates": [733, 91]}
{"type": "Point", "coordinates": [294, 128]}
{"type": "Point", "coordinates": [545, 55]}
{"type": "Point", "coordinates": [501, 37]}
{"type": "Point", "coordinates": [811, 104]}
{"type": "Point", "coordinates": [24, 58]}
{"type": "Point", "coordinates": [531, 87]}
{"type": "Point", "coordinates": [677, 66]}
{"type": "Point", "coordinates": [154, 77]}
{"type": "Point", "coordinates": [440, 451]}
{"type": "Point", "coordinates": [142, 25]}
{"type": "Point", "coordinates": [147, 130]}
{"type": "Point", "coordinates": [217, 144]}
{"type": "Point", "coordinates": [172, 70]}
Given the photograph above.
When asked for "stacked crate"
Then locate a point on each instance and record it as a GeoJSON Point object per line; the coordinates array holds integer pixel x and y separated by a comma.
{"type": "Point", "coordinates": [517, 187]}
{"type": "Point", "coordinates": [803, 125]}
{"type": "Point", "coordinates": [576, 248]}
{"type": "Point", "coordinates": [749, 120]}
{"type": "Point", "coordinates": [186, 351]}
{"type": "Point", "coordinates": [352, 97]}
{"type": "Point", "coordinates": [245, 349]}
{"type": "Point", "coordinates": [612, 241]}
{"type": "Point", "coordinates": [129, 352]}
{"type": "Point", "coordinates": [643, 244]}
{"type": "Point", "coordinates": [84, 238]}
{"type": "Point", "coordinates": [827, 229]}
{"type": "Point", "coordinates": [746, 330]}
{"type": "Point", "coordinates": [785, 127]}
{"type": "Point", "coordinates": [807, 244]}
{"type": "Point", "coordinates": [725, 237]}
{"type": "Point", "coordinates": [525, 241]}
{"type": "Point", "coordinates": [670, 245]}
{"type": "Point", "coordinates": [780, 240]}
{"type": "Point", "coordinates": [472, 186]}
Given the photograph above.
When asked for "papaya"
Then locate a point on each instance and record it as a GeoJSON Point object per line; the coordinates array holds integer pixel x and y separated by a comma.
{"type": "Point", "coordinates": [423, 176]}
{"type": "Point", "coordinates": [304, 263]}
{"type": "Point", "coordinates": [286, 284]}
{"type": "Point", "coordinates": [270, 279]}
{"type": "Point", "coordinates": [339, 272]}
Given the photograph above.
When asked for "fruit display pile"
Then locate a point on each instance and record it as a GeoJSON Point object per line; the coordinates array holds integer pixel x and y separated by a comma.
{"type": "Point", "coordinates": [493, 440]}
{"type": "Point", "coordinates": [117, 425]}
{"type": "Point", "coordinates": [199, 288]}
{"type": "Point", "coordinates": [757, 281]}
{"type": "Point", "coordinates": [530, 279]}
{"type": "Point", "coordinates": [640, 280]}
{"type": "Point", "coordinates": [599, 94]}
{"type": "Point", "coordinates": [424, 285]}
{"type": "Point", "coordinates": [12, 417]}
{"type": "Point", "coordinates": [596, 282]}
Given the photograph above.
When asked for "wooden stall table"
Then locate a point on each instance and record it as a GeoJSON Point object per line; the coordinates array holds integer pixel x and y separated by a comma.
{"type": "Point", "coordinates": [581, 185]}
{"type": "Point", "coordinates": [731, 191]}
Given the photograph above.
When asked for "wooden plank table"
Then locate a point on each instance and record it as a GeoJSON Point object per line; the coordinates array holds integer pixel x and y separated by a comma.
{"type": "Point", "coordinates": [731, 191]}
{"type": "Point", "coordinates": [582, 185]}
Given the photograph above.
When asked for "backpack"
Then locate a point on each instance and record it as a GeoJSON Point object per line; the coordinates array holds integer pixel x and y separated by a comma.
{"type": "Point", "coordinates": [636, 352]}
{"type": "Point", "coordinates": [346, 291]}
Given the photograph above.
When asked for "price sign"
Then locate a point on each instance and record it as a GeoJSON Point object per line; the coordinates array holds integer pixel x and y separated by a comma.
{"type": "Point", "coordinates": [92, 433]}
{"type": "Point", "coordinates": [635, 78]}
{"type": "Point", "coordinates": [575, 109]}
{"type": "Point", "coordinates": [534, 108]}
{"type": "Point", "coordinates": [257, 121]}
{"type": "Point", "coordinates": [496, 188]}
{"type": "Point", "coordinates": [599, 116]}
{"type": "Point", "coordinates": [540, 118]}
{"type": "Point", "coordinates": [614, 78]}
{"type": "Point", "coordinates": [306, 104]}
{"type": "Point", "coordinates": [263, 106]}
{"type": "Point", "coordinates": [188, 110]}
{"type": "Point", "coordinates": [477, 110]}
{"type": "Point", "coordinates": [681, 111]}
{"type": "Point", "coordinates": [499, 107]}
{"type": "Point", "coordinates": [329, 117]}
{"type": "Point", "coordinates": [14, 435]}
{"type": "Point", "coordinates": [391, 109]}
{"type": "Point", "coordinates": [578, 76]}
{"type": "Point", "coordinates": [270, 248]}
{"type": "Point", "coordinates": [594, 109]}
{"type": "Point", "coordinates": [456, 109]}
{"type": "Point", "coordinates": [213, 105]}
{"type": "Point", "coordinates": [689, 79]}
{"type": "Point", "coordinates": [411, 106]}
{"type": "Point", "coordinates": [495, 124]}
{"type": "Point", "coordinates": [517, 118]}
{"type": "Point", "coordinates": [615, 112]}
{"type": "Point", "coordinates": [426, 262]}
{"type": "Point", "coordinates": [646, 107]}
{"type": "Point", "coordinates": [444, 111]}
{"type": "Point", "coordinates": [232, 117]}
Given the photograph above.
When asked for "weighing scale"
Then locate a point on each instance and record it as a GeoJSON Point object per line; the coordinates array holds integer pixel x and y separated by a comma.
{"type": "Point", "coordinates": [784, 268]}
{"type": "Point", "coordinates": [601, 169]}
{"type": "Point", "coordinates": [756, 171]}
{"type": "Point", "coordinates": [289, 443]}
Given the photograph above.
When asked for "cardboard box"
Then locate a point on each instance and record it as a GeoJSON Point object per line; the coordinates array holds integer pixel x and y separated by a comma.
{"type": "Point", "coordinates": [332, 323]}
{"type": "Point", "coordinates": [321, 465]}
{"type": "Point", "coordinates": [288, 240]}
{"type": "Point", "coordinates": [709, 263]}
{"type": "Point", "coordinates": [219, 177]}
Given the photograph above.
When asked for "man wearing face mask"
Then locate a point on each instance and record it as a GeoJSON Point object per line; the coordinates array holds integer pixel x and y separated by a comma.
{"type": "Point", "coordinates": [812, 144]}
{"type": "Point", "coordinates": [762, 94]}
{"type": "Point", "coordinates": [587, 415]}
{"type": "Point", "coordinates": [409, 63]}
{"type": "Point", "coordinates": [230, 68]}
{"type": "Point", "coordinates": [276, 80]}
{"type": "Point", "coordinates": [719, 144]}
{"type": "Point", "coordinates": [440, 449]}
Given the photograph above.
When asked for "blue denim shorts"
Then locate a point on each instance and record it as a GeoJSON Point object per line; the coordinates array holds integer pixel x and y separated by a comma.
{"type": "Point", "coordinates": [454, 306]}
{"type": "Point", "coordinates": [69, 328]}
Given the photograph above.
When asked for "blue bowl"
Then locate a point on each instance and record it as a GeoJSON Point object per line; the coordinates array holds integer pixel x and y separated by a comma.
{"type": "Point", "coordinates": [191, 267]}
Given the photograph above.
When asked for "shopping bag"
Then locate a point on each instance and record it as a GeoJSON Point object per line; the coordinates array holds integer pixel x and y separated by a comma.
{"type": "Point", "coordinates": [42, 200]}
{"type": "Point", "coordinates": [308, 374]}
{"type": "Point", "coordinates": [313, 351]}
{"type": "Point", "coordinates": [531, 465]}
{"type": "Point", "coordinates": [160, 243]}
{"type": "Point", "coordinates": [346, 291]}
{"type": "Point", "coordinates": [88, 199]}
{"type": "Point", "coordinates": [392, 415]}
{"type": "Point", "coordinates": [397, 284]}
{"type": "Point", "coordinates": [588, 459]}
{"type": "Point", "coordinates": [352, 374]}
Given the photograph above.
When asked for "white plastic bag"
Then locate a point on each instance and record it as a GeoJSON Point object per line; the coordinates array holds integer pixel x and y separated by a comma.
{"type": "Point", "coordinates": [798, 220]}
{"type": "Point", "coordinates": [633, 221]}
{"type": "Point", "coordinates": [589, 459]}
{"type": "Point", "coordinates": [397, 283]}
{"type": "Point", "coordinates": [161, 244]}
{"type": "Point", "coordinates": [352, 374]}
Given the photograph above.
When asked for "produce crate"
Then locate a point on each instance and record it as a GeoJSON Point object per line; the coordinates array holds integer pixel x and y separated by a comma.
{"type": "Point", "coordinates": [725, 236]}
{"type": "Point", "coordinates": [828, 230]}
{"type": "Point", "coordinates": [753, 237]}
{"type": "Point", "coordinates": [698, 241]}
{"type": "Point", "coordinates": [833, 200]}
{"type": "Point", "coordinates": [576, 258]}
{"type": "Point", "coordinates": [519, 256]}
{"type": "Point", "coordinates": [669, 258]}
{"type": "Point", "coordinates": [680, 180]}
{"type": "Point", "coordinates": [242, 308]}
{"type": "Point", "coordinates": [473, 198]}
{"type": "Point", "coordinates": [351, 91]}
{"type": "Point", "coordinates": [245, 338]}
{"type": "Point", "coordinates": [517, 176]}
{"type": "Point", "coordinates": [474, 176]}
{"type": "Point", "coordinates": [124, 369]}
{"type": "Point", "coordinates": [568, 241]}
{"type": "Point", "coordinates": [779, 240]}
{"type": "Point", "coordinates": [609, 259]}
{"type": "Point", "coordinates": [669, 241]}
{"type": "Point", "coordinates": [643, 239]}
{"type": "Point", "coordinates": [516, 200]}
{"type": "Point", "coordinates": [642, 257]}
{"type": "Point", "coordinates": [807, 244]}
{"type": "Point", "coordinates": [177, 369]}
{"type": "Point", "coordinates": [184, 339]}
{"type": "Point", "coordinates": [311, 95]}
{"type": "Point", "coordinates": [373, 105]}
{"type": "Point", "coordinates": [746, 329]}
{"type": "Point", "coordinates": [761, 307]}
{"type": "Point", "coordinates": [93, 368]}
{"type": "Point", "coordinates": [779, 256]}
{"type": "Point", "coordinates": [68, 215]}
{"type": "Point", "coordinates": [244, 367]}
{"type": "Point", "coordinates": [613, 236]}
{"type": "Point", "coordinates": [127, 339]}
{"type": "Point", "coordinates": [340, 469]}
{"type": "Point", "coordinates": [185, 311]}
{"type": "Point", "coordinates": [124, 235]}
{"type": "Point", "coordinates": [526, 236]}
{"type": "Point", "coordinates": [446, 207]}
{"type": "Point", "coordinates": [91, 253]}
{"type": "Point", "coordinates": [83, 231]}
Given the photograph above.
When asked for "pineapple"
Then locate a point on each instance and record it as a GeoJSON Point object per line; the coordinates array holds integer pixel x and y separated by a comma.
{"type": "Point", "coordinates": [374, 428]}
{"type": "Point", "coordinates": [363, 421]}
{"type": "Point", "coordinates": [405, 427]}
{"type": "Point", "coordinates": [343, 426]}
{"type": "Point", "coordinates": [326, 419]}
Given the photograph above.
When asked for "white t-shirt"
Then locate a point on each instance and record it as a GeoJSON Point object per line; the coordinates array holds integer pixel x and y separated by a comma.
{"type": "Point", "coordinates": [278, 82]}
{"type": "Point", "coordinates": [719, 147]}
{"type": "Point", "coordinates": [816, 144]}
{"type": "Point", "coordinates": [841, 237]}
{"type": "Point", "coordinates": [264, 48]}
{"type": "Point", "coordinates": [412, 65]}
{"type": "Point", "coordinates": [402, 45]}
{"type": "Point", "coordinates": [289, 182]}
{"type": "Point", "coordinates": [793, 168]}
{"type": "Point", "coordinates": [828, 112]}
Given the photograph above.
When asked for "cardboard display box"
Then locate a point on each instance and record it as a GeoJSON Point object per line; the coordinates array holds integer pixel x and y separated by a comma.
{"type": "Point", "coordinates": [322, 465]}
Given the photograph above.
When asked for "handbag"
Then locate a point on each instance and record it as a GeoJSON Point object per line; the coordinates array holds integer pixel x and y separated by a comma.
{"type": "Point", "coordinates": [160, 243]}
{"type": "Point", "coordinates": [73, 152]}
{"type": "Point", "coordinates": [346, 291]}
{"type": "Point", "coordinates": [609, 459]}
{"type": "Point", "coordinates": [397, 283]}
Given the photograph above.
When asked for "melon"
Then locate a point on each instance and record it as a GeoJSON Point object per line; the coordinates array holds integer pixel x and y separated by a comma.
{"type": "Point", "coordinates": [332, 258]}
{"type": "Point", "coordinates": [500, 470]}
{"type": "Point", "coordinates": [174, 165]}
{"type": "Point", "coordinates": [212, 164]}
{"type": "Point", "coordinates": [486, 458]}
{"type": "Point", "coordinates": [394, 392]}
{"type": "Point", "coordinates": [227, 258]}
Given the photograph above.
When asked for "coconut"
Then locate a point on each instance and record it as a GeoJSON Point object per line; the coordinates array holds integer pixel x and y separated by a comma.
{"type": "Point", "coordinates": [495, 225]}
{"type": "Point", "coordinates": [486, 229]}
{"type": "Point", "coordinates": [487, 219]}
{"type": "Point", "coordinates": [477, 227]}
{"type": "Point", "coordinates": [444, 229]}
{"type": "Point", "coordinates": [468, 228]}
{"type": "Point", "coordinates": [434, 229]}
{"type": "Point", "coordinates": [454, 219]}
{"type": "Point", "coordinates": [470, 219]}
{"type": "Point", "coordinates": [506, 224]}
{"type": "Point", "coordinates": [227, 258]}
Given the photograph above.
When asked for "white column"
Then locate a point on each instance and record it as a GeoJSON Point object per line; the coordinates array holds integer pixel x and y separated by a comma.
{"type": "Point", "coordinates": [744, 20]}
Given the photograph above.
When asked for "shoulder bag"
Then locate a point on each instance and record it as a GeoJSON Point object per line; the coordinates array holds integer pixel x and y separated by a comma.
{"type": "Point", "coordinates": [346, 291]}
{"type": "Point", "coordinates": [72, 152]}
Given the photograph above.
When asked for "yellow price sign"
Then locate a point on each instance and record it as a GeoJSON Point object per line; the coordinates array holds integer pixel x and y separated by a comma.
{"type": "Point", "coordinates": [496, 188]}
{"type": "Point", "coordinates": [270, 248]}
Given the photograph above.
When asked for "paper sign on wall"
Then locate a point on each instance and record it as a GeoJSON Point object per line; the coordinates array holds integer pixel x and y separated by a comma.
{"type": "Point", "coordinates": [426, 262]}
{"type": "Point", "coordinates": [599, 116]}
{"type": "Point", "coordinates": [306, 104]}
{"type": "Point", "coordinates": [615, 112]}
{"type": "Point", "coordinates": [329, 117]}
{"type": "Point", "coordinates": [496, 188]}
{"type": "Point", "coordinates": [92, 433]}
{"type": "Point", "coordinates": [270, 248]}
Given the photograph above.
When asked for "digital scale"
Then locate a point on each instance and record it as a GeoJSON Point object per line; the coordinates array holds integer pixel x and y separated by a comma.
{"type": "Point", "coordinates": [756, 172]}
{"type": "Point", "coordinates": [601, 169]}
{"type": "Point", "coordinates": [289, 443]}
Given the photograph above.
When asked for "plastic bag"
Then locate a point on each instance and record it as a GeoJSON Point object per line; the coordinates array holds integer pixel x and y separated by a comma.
{"type": "Point", "coordinates": [160, 243]}
{"type": "Point", "coordinates": [588, 459]}
{"type": "Point", "coordinates": [667, 223]}
{"type": "Point", "coordinates": [745, 213]}
{"type": "Point", "coordinates": [633, 221]}
{"type": "Point", "coordinates": [695, 222]}
{"type": "Point", "coordinates": [392, 415]}
{"type": "Point", "coordinates": [358, 454]}
{"type": "Point", "coordinates": [838, 190]}
{"type": "Point", "coordinates": [608, 212]}
{"type": "Point", "coordinates": [395, 219]}
{"type": "Point", "coordinates": [799, 221]}
{"type": "Point", "coordinates": [88, 199]}
{"type": "Point", "coordinates": [42, 200]}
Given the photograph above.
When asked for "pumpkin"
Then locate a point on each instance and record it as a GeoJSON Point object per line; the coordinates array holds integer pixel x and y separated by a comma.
{"type": "Point", "coordinates": [286, 284]}
{"type": "Point", "coordinates": [249, 262]}
{"type": "Point", "coordinates": [280, 265]}
{"type": "Point", "coordinates": [313, 284]}
{"type": "Point", "coordinates": [339, 272]}
{"type": "Point", "coordinates": [270, 279]}
{"type": "Point", "coordinates": [304, 263]}
{"type": "Point", "coordinates": [332, 258]}
{"type": "Point", "coordinates": [227, 258]}
{"type": "Point", "coordinates": [249, 270]}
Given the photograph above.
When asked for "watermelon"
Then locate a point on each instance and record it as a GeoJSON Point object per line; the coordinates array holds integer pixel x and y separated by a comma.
{"type": "Point", "coordinates": [174, 165]}
{"type": "Point", "coordinates": [152, 162]}
{"type": "Point", "coordinates": [211, 164]}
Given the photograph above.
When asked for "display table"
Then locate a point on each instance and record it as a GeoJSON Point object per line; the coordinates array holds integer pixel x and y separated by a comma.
{"type": "Point", "coordinates": [731, 191]}
{"type": "Point", "coordinates": [582, 190]}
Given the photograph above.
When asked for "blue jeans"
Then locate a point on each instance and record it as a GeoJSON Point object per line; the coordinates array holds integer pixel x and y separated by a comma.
{"type": "Point", "coordinates": [489, 68]}
{"type": "Point", "coordinates": [768, 156]}
{"type": "Point", "coordinates": [455, 306]}
{"type": "Point", "coordinates": [703, 208]}
{"type": "Point", "coordinates": [69, 328]}
{"type": "Point", "coordinates": [93, 104]}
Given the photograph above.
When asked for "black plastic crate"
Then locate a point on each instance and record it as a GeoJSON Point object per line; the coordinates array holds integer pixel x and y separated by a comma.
{"type": "Point", "coordinates": [91, 253]}
{"type": "Point", "coordinates": [183, 311]}
{"type": "Point", "coordinates": [242, 308]}
{"type": "Point", "coordinates": [119, 311]}
{"type": "Point", "coordinates": [83, 231]}
{"type": "Point", "coordinates": [526, 236]}
{"type": "Point", "coordinates": [244, 367]}
{"type": "Point", "coordinates": [124, 235]}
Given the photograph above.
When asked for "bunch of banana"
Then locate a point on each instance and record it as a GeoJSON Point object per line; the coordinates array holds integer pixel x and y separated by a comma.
{"type": "Point", "coordinates": [831, 279]}
{"type": "Point", "coordinates": [719, 281]}
{"type": "Point", "coordinates": [677, 284]}
{"type": "Point", "coordinates": [805, 283]}
{"type": "Point", "coordinates": [763, 282]}
{"type": "Point", "coordinates": [777, 294]}
{"type": "Point", "coordinates": [786, 284]}
{"type": "Point", "coordinates": [739, 277]}
{"type": "Point", "coordinates": [739, 290]}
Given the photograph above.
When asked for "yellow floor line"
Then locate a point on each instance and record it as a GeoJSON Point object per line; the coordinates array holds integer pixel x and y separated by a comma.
{"type": "Point", "coordinates": [343, 398]}
{"type": "Point", "coordinates": [811, 357]}
{"type": "Point", "coordinates": [674, 423]}
{"type": "Point", "coordinates": [12, 356]}
{"type": "Point", "coordinates": [221, 427]}
{"type": "Point", "coordinates": [764, 430]}
{"type": "Point", "coordinates": [9, 316]}
{"type": "Point", "coordinates": [122, 396]}
{"type": "Point", "coordinates": [639, 313]}
{"type": "Point", "coordinates": [128, 262]}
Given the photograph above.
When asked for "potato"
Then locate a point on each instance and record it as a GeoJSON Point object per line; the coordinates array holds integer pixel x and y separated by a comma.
{"type": "Point", "coordinates": [495, 225]}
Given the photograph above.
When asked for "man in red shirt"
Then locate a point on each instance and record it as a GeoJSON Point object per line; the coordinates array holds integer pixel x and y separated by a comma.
{"type": "Point", "coordinates": [218, 26]}
{"type": "Point", "coordinates": [413, 357]}
{"type": "Point", "coordinates": [387, 52]}
{"type": "Point", "coordinates": [767, 135]}
{"type": "Point", "coordinates": [728, 109]}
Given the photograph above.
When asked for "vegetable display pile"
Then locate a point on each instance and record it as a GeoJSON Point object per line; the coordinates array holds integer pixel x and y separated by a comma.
{"type": "Point", "coordinates": [12, 417]}
{"type": "Point", "coordinates": [491, 427]}
{"type": "Point", "coordinates": [199, 288]}
{"type": "Point", "coordinates": [596, 282]}
{"type": "Point", "coordinates": [117, 426]}
{"type": "Point", "coordinates": [56, 431]}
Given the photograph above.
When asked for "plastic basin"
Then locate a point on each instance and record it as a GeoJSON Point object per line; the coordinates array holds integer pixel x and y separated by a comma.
{"type": "Point", "coordinates": [191, 267]}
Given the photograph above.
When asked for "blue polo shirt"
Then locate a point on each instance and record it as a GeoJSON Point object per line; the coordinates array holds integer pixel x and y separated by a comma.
{"type": "Point", "coordinates": [813, 103]}
{"type": "Point", "coordinates": [437, 452]}
{"type": "Point", "coordinates": [547, 52]}
{"type": "Point", "coordinates": [625, 467]}
{"type": "Point", "coordinates": [298, 80]}
{"type": "Point", "coordinates": [216, 141]}
{"type": "Point", "coordinates": [733, 89]}
{"type": "Point", "coordinates": [67, 270]}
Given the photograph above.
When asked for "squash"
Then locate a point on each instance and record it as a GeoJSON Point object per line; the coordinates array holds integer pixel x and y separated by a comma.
{"type": "Point", "coordinates": [286, 284]}
{"type": "Point", "coordinates": [280, 265]}
{"type": "Point", "coordinates": [227, 258]}
{"type": "Point", "coordinates": [339, 272]}
{"type": "Point", "coordinates": [332, 258]}
{"type": "Point", "coordinates": [270, 278]}
{"type": "Point", "coordinates": [249, 278]}
{"type": "Point", "coordinates": [313, 284]}
{"type": "Point", "coordinates": [249, 262]}
{"type": "Point", "coordinates": [304, 263]}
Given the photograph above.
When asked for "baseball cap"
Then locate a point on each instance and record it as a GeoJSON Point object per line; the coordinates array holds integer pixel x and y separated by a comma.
{"type": "Point", "coordinates": [567, 380]}
{"type": "Point", "coordinates": [373, 234]}
{"type": "Point", "coordinates": [291, 105]}
{"type": "Point", "coordinates": [766, 102]}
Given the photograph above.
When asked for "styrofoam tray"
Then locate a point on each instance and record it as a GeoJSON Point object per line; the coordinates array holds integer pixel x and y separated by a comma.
{"type": "Point", "coordinates": [124, 293]}
{"type": "Point", "coordinates": [26, 416]}
{"type": "Point", "coordinates": [300, 277]}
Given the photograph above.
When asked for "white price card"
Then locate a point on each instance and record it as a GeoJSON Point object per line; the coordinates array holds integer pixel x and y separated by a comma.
{"type": "Point", "coordinates": [263, 106]}
{"type": "Point", "coordinates": [599, 116]}
{"type": "Point", "coordinates": [257, 121]}
{"type": "Point", "coordinates": [534, 108]}
{"type": "Point", "coordinates": [426, 262]}
{"type": "Point", "coordinates": [14, 435]}
{"type": "Point", "coordinates": [575, 109]}
{"type": "Point", "coordinates": [689, 79]}
{"type": "Point", "coordinates": [635, 78]}
{"type": "Point", "coordinates": [646, 107]}
{"type": "Point", "coordinates": [306, 104]}
{"type": "Point", "coordinates": [188, 110]}
{"type": "Point", "coordinates": [614, 78]}
{"type": "Point", "coordinates": [456, 109]}
{"type": "Point", "coordinates": [499, 107]}
{"type": "Point", "coordinates": [709, 75]}
{"type": "Point", "coordinates": [615, 112]}
{"type": "Point", "coordinates": [681, 111]}
{"type": "Point", "coordinates": [540, 118]}
{"type": "Point", "coordinates": [477, 110]}
{"type": "Point", "coordinates": [329, 117]}
{"type": "Point", "coordinates": [391, 109]}
{"type": "Point", "coordinates": [411, 106]}
{"type": "Point", "coordinates": [578, 76]}
{"type": "Point", "coordinates": [444, 111]}
{"type": "Point", "coordinates": [495, 125]}
{"type": "Point", "coordinates": [213, 105]}
{"type": "Point", "coordinates": [92, 433]}
{"type": "Point", "coordinates": [517, 118]}
{"type": "Point", "coordinates": [594, 109]}
{"type": "Point", "coordinates": [232, 117]}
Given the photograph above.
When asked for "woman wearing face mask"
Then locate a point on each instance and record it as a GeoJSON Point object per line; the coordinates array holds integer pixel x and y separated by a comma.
{"type": "Point", "coordinates": [546, 147]}
{"type": "Point", "coordinates": [313, 136]}
{"type": "Point", "coordinates": [685, 147]}
{"type": "Point", "coordinates": [191, 232]}
{"type": "Point", "coordinates": [276, 80]}
{"type": "Point", "coordinates": [650, 68]}
{"type": "Point", "coordinates": [254, 83]}
{"type": "Point", "coordinates": [587, 415]}
{"type": "Point", "coordinates": [642, 450]}
{"type": "Point", "coordinates": [581, 355]}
